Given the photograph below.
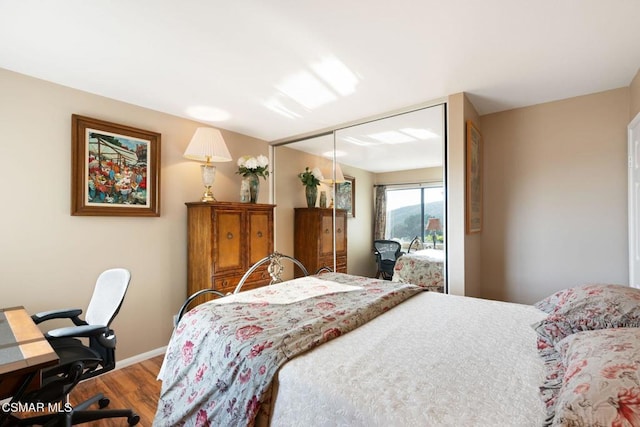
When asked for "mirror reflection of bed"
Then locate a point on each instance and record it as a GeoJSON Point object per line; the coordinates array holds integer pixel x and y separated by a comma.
{"type": "Point", "coordinates": [397, 165]}
{"type": "Point", "coordinates": [424, 267]}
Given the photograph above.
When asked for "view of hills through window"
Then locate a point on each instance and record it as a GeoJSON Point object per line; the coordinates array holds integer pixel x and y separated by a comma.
{"type": "Point", "coordinates": [408, 213]}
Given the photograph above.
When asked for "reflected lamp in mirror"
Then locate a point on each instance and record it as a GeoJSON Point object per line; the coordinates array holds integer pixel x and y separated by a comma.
{"type": "Point", "coordinates": [334, 179]}
{"type": "Point", "coordinates": [433, 226]}
{"type": "Point", "coordinates": [207, 145]}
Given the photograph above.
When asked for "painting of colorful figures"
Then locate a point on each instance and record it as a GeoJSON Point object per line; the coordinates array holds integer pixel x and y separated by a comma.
{"type": "Point", "coordinates": [115, 169]}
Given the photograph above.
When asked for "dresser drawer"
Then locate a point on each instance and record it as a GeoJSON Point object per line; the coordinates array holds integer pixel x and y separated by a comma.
{"type": "Point", "coordinates": [226, 284]}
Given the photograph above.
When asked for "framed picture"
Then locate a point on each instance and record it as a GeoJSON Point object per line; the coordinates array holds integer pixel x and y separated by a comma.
{"type": "Point", "coordinates": [474, 179]}
{"type": "Point", "coordinates": [115, 169]}
{"type": "Point", "coordinates": [346, 195]}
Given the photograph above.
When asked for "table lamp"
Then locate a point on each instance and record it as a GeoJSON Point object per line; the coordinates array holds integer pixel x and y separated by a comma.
{"type": "Point", "coordinates": [433, 225]}
{"type": "Point", "coordinates": [207, 145]}
{"type": "Point", "coordinates": [337, 179]}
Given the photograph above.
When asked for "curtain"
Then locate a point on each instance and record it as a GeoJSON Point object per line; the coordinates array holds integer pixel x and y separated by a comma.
{"type": "Point", "coordinates": [380, 216]}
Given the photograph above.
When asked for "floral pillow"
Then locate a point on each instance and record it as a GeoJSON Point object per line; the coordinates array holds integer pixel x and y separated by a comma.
{"type": "Point", "coordinates": [567, 297]}
{"type": "Point", "coordinates": [601, 383]}
{"type": "Point", "coordinates": [590, 307]}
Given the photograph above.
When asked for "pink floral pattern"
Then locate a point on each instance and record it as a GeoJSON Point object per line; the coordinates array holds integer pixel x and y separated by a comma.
{"type": "Point", "coordinates": [576, 295]}
{"type": "Point", "coordinates": [591, 307]}
{"type": "Point", "coordinates": [583, 308]}
{"type": "Point", "coordinates": [604, 385]}
{"type": "Point", "coordinates": [421, 270]}
{"type": "Point", "coordinates": [222, 357]}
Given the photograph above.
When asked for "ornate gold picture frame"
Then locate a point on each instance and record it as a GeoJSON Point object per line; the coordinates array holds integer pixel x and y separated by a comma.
{"type": "Point", "coordinates": [115, 169]}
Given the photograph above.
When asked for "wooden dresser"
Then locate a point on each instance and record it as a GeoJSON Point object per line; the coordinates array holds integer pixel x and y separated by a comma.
{"type": "Point", "coordinates": [313, 239]}
{"type": "Point", "coordinates": [224, 240]}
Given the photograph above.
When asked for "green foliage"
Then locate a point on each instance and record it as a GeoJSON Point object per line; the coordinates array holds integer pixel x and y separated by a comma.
{"type": "Point", "coordinates": [405, 222]}
{"type": "Point", "coordinates": [310, 178]}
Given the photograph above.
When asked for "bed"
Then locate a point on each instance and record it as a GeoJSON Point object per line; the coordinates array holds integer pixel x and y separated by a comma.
{"type": "Point", "coordinates": [423, 268]}
{"type": "Point", "coordinates": [425, 359]}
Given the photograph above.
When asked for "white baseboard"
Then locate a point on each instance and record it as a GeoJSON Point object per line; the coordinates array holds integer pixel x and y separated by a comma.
{"type": "Point", "coordinates": [140, 357]}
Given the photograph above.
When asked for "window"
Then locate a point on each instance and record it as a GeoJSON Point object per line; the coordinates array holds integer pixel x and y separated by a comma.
{"type": "Point", "coordinates": [408, 213]}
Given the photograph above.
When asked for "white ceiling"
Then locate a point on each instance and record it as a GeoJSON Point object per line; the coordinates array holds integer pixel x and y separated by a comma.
{"type": "Point", "coordinates": [233, 56]}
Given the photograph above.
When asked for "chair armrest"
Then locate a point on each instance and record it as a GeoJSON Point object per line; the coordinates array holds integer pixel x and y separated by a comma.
{"type": "Point", "coordinates": [83, 331]}
{"type": "Point", "coordinates": [67, 313]}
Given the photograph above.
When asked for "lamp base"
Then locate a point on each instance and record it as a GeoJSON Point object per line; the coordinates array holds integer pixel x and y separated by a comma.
{"type": "Point", "coordinates": [208, 196]}
{"type": "Point", "coordinates": [208, 178]}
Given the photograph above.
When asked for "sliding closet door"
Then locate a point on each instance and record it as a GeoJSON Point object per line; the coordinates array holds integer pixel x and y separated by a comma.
{"type": "Point", "coordinates": [634, 202]}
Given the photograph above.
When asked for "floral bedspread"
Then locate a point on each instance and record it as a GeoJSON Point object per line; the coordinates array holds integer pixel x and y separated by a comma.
{"type": "Point", "coordinates": [422, 268]}
{"type": "Point", "coordinates": [222, 356]}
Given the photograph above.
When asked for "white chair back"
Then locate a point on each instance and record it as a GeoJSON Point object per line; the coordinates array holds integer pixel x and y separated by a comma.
{"type": "Point", "coordinates": [107, 297]}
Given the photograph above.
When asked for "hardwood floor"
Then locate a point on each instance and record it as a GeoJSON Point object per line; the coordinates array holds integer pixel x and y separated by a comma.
{"type": "Point", "coordinates": [132, 387]}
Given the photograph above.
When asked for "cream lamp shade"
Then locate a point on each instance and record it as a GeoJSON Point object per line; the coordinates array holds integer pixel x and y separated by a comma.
{"type": "Point", "coordinates": [207, 145]}
{"type": "Point", "coordinates": [339, 178]}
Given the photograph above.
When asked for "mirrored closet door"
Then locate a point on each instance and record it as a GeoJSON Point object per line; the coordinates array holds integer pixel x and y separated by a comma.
{"type": "Point", "coordinates": [385, 180]}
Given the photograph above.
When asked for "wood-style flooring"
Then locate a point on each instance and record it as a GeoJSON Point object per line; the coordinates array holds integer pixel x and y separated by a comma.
{"type": "Point", "coordinates": [133, 387]}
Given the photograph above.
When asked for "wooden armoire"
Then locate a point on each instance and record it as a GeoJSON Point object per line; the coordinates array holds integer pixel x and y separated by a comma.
{"type": "Point", "coordinates": [313, 239]}
{"type": "Point", "coordinates": [224, 240]}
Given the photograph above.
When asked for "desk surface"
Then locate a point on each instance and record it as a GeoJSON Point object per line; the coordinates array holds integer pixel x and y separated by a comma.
{"type": "Point", "coordinates": [23, 347]}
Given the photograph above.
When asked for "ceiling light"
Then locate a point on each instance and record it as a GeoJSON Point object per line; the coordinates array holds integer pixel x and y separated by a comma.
{"type": "Point", "coordinates": [392, 137]}
{"type": "Point", "coordinates": [275, 105]}
{"type": "Point", "coordinates": [306, 90]}
{"type": "Point", "coordinates": [208, 114]}
{"type": "Point", "coordinates": [419, 133]}
{"type": "Point", "coordinates": [356, 141]}
{"type": "Point", "coordinates": [336, 75]}
{"type": "Point", "coordinates": [336, 153]}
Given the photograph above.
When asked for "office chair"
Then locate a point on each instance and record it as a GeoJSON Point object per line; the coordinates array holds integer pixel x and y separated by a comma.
{"type": "Point", "coordinates": [386, 252]}
{"type": "Point", "coordinates": [79, 361]}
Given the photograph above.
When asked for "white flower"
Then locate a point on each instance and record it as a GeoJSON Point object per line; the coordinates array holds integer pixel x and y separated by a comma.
{"type": "Point", "coordinates": [317, 173]}
{"type": "Point", "coordinates": [263, 161]}
{"type": "Point", "coordinates": [251, 163]}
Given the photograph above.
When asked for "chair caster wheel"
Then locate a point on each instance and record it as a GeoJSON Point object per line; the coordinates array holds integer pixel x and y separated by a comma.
{"type": "Point", "coordinates": [103, 403]}
{"type": "Point", "coordinates": [133, 419]}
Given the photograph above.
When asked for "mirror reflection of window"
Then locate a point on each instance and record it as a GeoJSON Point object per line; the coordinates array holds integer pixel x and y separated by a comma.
{"type": "Point", "coordinates": [409, 211]}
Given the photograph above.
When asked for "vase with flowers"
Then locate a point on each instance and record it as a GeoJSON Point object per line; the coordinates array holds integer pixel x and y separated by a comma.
{"type": "Point", "coordinates": [311, 179]}
{"type": "Point", "coordinates": [251, 168]}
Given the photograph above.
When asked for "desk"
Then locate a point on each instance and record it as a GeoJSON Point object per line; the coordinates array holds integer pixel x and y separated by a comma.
{"type": "Point", "coordinates": [24, 351]}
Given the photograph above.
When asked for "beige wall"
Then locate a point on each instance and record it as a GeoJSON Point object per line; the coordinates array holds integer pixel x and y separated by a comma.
{"type": "Point", "coordinates": [411, 176]}
{"type": "Point", "coordinates": [463, 250]}
{"type": "Point", "coordinates": [50, 259]}
{"type": "Point", "coordinates": [634, 105]}
{"type": "Point", "coordinates": [455, 194]}
{"type": "Point", "coordinates": [555, 212]}
{"type": "Point", "coordinates": [360, 259]}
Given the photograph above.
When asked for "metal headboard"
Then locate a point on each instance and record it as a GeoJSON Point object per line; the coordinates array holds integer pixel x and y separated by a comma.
{"type": "Point", "coordinates": [190, 300]}
{"type": "Point", "coordinates": [274, 269]}
{"type": "Point", "coordinates": [415, 240]}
